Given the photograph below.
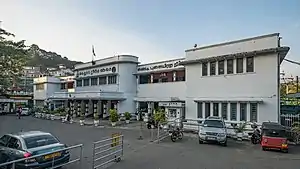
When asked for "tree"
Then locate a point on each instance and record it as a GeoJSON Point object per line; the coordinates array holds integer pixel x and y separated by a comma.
{"type": "Point", "coordinates": [13, 57]}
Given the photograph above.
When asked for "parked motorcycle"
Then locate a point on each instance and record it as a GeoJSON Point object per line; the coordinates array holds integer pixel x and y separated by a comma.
{"type": "Point", "coordinates": [176, 134]}
{"type": "Point", "coordinates": [150, 123]}
{"type": "Point", "coordinates": [256, 136]}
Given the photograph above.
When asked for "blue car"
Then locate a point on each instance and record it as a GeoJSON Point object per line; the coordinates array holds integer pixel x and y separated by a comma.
{"type": "Point", "coordinates": [32, 143]}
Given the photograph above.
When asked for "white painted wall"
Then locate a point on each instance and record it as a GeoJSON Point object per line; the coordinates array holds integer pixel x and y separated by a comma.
{"type": "Point", "coordinates": [244, 45]}
{"type": "Point", "coordinates": [161, 91]}
{"type": "Point", "coordinates": [262, 84]}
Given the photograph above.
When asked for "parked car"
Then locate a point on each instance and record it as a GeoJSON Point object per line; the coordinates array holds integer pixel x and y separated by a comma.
{"type": "Point", "coordinates": [28, 144]}
{"type": "Point", "coordinates": [25, 111]}
{"type": "Point", "coordinates": [213, 130]}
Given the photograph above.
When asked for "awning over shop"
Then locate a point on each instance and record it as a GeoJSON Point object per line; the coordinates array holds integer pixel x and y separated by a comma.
{"type": "Point", "coordinates": [256, 100]}
{"type": "Point", "coordinates": [160, 99]}
{"type": "Point", "coordinates": [87, 95]}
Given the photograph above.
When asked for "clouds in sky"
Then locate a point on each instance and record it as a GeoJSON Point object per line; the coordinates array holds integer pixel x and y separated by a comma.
{"type": "Point", "coordinates": [66, 31]}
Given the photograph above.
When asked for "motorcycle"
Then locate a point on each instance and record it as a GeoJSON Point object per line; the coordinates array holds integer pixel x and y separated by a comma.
{"type": "Point", "coordinates": [151, 123]}
{"type": "Point", "coordinates": [256, 136]}
{"type": "Point", "coordinates": [176, 134]}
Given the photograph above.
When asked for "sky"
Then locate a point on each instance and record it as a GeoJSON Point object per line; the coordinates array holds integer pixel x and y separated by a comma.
{"type": "Point", "coordinates": [152, 30]}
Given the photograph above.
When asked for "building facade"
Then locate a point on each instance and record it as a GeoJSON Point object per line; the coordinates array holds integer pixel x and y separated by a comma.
{"type": "Point", "coordinates": [237, 80]}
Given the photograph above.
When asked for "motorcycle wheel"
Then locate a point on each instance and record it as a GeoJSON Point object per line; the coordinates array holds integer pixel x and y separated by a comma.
{"type": "Point", "coordinates": [180, 135]}
{"type": "Point", "coordinates": [148, 126]}
{"type": "Point", "coordinates": [173, 137]}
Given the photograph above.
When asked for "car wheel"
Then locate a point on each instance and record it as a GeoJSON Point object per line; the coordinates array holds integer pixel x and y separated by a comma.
{"type": "Point", "coordinates": [200, 141]}
{"type": "Point", "coordinates": [224, 144]}
{"type": "Point", "coordinates": [173, 138]}
{"type": "Point", "coordinates": [263, 148]}
{"type": "Point", "coordinates": [285, 150]}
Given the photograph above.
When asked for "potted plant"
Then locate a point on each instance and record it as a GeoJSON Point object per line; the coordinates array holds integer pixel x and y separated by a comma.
{"type": "Point", "coordinates": [82, 117]}
{"type": "Point", "coordinates": [96, 119]}
{"type": "Point", "coordinates": [160, 117]}
{"type": "Point", "coordinates": [63, 115]}
{"type": "Point", "coordinates": [113, 117]}
{"type": "Point", "coordinates": [127, 117]}
{"type": "Point", "coordinates": [52, 116]}
{"type": "Point", "coordinates": [239, 130]}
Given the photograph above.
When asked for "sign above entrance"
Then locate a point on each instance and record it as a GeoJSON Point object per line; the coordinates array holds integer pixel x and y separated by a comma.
{"type": "Point", "coordinates": [171, 104]}
{"type": "Point", "coordinates": [162, 66]}
{"type": "Point", "coordinates": [96, 71]}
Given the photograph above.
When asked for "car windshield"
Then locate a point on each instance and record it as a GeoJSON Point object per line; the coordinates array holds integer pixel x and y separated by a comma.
{"type": "Point", "coordinates": [213, 123]}
{"type": "Point", "coordinates": [274, 133]}
{"type": "Point", "coordinates": [38, 141]}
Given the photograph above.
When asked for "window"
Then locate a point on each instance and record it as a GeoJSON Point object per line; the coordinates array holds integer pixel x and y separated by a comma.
{"type": "Point", "coordinates": [94, 81]}
{"type": "Point", "coordinates": [207, 110]}
{"type": "Point", "coordinates": [112, 79]}
{"type": "Point", "coordinates": [180, 75]}
{"type": "Point", "coordinates": [199, 110]}
{"type": "Point", "coordinates": [38, 141]}
{"type": "Point", "coordinates": [63, 86]}
{"type": "Point", "coordinates": [3, 140]}
{"type": "Point", "coordinates": [250, 64]}
{"type": "Point", "coordinates": [102, 80]}
{"type": "Point", "coordinates": [86, 82]}
{"type": "Point", "coordinates": [214, 123]}
{"type": "Point", "coordinates": [70, 85]}
{"type": "Point", "coordinates": [253, 112]}
{"type": "Point", "coordinates": [233, 111]}
{"type": "Point", "coordinates": [78, 83]}
{"type": "Point", "coordinates": [212, 68]}
{"type": "Point", "coordinates": [221, 67]}
{"type": "Point", "coordinates": [12, 143]}
{"type": "Point", "coordinates": [230, 66]}
{"type": "Point", "coordinates": [216, 109]}
{"type": "Point", "coordinates": [224, 111]}
{"type": "Point", "coordinates": [144, 79]}
{"type": "Point", "coordinates": [40, 86]}
{"type": "Point", "coordinates": [239, 65]}
{"type": "Point", "coordinates": [172, 113]}
{"type": "Point", "coordinates": [204, 69]}
{"type": "Point", "coordinates": [243, 111]}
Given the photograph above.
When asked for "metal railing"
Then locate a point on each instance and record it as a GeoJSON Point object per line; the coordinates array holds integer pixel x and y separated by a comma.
{"type": "Point", "coordinates": [288, 119]}
{"type": "Point", "coordinates": [54, 161]}
{"type": "Point", "coordinates": [108, 150]}
{"type": "Point", "coordinates": [164, 128]}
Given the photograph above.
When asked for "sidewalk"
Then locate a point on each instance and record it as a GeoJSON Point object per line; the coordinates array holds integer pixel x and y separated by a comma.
{"type": "Point", "coordinates": [107, 123]}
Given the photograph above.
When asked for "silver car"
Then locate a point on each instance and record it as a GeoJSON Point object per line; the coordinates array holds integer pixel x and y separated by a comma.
{"type": "Point", "coordinates": [213, 129]}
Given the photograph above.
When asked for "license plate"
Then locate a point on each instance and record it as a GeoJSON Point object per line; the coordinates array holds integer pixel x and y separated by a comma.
{"type": "Point", "coordinates": [57, 154]}
{"type": "Point", "coordinates": [211, 138]}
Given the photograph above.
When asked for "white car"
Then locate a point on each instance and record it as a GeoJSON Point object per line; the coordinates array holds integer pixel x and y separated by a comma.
{"type": "Point", "coordinates": [24, 112]}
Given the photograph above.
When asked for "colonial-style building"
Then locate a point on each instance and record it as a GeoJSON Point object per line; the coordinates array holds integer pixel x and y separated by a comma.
{"type": "Point", "coordinates": [237, 80]}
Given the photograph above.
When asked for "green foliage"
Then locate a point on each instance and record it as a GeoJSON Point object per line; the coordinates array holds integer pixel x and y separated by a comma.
{"type": "Point", "coordinates": [296, 127]}
{"type": "Point", "coordinates": [160, 116]}
{"type": "Point", "coordinates": [127, 115]}
{"type": "Point", "coordinates": [46, 59]}
{"type": "Point", "coordinates": [96, 116]}
{"type": "Point", "coordinates": [13, 57]}
{"type": "Point", "coordinates": [113, 115]}
{"type": "Point", "coordinates": [240, 128]}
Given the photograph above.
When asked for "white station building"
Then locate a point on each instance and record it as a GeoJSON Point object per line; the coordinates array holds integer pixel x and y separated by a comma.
{"type": "Point", "coordinates": [237, 80]}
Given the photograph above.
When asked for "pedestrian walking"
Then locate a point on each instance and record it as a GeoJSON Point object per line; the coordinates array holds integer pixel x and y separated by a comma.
{"type": "Point", "coordinates": [19, 111]}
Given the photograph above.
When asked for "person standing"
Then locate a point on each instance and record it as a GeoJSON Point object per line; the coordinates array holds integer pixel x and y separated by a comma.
{"type": "Point", "coordinates": [19, 112]}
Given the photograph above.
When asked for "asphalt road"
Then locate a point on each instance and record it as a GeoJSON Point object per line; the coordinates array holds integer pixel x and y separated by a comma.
{"type": "Point", "coordinates": [185, 154]}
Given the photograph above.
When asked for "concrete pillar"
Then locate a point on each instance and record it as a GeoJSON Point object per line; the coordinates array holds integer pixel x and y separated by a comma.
{"type": "Point", "coordinates": [238, 112]}
{"type": "Point", "coordinates": [90, 110]}
{"type": "Point", "coordinates": [108, 106]}
{"type": "Point", "coordinates": [82, 108]}
{"type": "Point", "coordinates": [99, 107]}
